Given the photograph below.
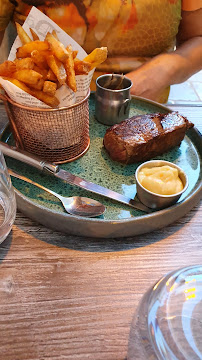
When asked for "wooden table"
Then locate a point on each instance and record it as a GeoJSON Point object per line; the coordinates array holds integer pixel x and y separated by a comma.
{"type": "Point", "coordinates": [68, 297]}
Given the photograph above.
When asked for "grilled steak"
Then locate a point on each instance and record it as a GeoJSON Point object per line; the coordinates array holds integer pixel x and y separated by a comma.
{"type": "Point", "coordinates": [143, 137]}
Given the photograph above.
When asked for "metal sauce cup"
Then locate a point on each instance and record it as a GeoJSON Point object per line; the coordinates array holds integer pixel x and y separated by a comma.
{"type": "Point", "coordinates": [112, 105]}
{"type": "Point", "coordinates": [157, 201]}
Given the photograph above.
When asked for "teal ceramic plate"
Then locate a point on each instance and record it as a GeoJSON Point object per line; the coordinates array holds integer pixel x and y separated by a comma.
{"type": "Point", "coordinates": [119, 220]}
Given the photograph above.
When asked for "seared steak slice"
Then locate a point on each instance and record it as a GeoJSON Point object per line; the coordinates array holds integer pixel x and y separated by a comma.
{"type": "Point", "coordinates": [143, 137]}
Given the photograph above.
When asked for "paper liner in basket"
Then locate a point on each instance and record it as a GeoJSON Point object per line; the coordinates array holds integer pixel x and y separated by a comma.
{"type": "Point", "coordinates": [41, 24]}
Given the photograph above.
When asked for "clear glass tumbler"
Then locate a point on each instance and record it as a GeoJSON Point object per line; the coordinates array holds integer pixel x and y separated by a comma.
{"type": "Point", "coordinates": [7, 201]}
{"type": "Point", "coordinates": [168, 321]}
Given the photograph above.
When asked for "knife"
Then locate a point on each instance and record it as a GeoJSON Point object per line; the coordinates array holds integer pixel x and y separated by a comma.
{"type": "Point", "coordinates": [56, 171]}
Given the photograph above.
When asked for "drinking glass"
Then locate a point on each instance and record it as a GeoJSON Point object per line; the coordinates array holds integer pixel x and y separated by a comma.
{"type": "Point", "coordinates": [7, 201]}
{"type": "Point", "coordinates": [168, 321]}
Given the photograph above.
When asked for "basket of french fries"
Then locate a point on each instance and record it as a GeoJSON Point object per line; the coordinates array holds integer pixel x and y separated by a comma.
{"type": "Point", "coordinates": [46, 80]}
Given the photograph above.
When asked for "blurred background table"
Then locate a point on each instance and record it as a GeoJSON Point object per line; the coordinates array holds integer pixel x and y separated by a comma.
{"type": "Point", "coordinates": [69, 297]}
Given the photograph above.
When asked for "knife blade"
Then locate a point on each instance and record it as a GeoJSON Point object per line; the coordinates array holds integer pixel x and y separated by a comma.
{"type": "Point", "coordinates": [68, 177]}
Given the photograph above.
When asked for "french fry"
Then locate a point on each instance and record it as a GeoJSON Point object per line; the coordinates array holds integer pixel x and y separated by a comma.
{"type": "Point", "coordinates": [30, 77]}
{"type": "Point", "coordinates": [24, 37]}
{"type": "Point", "coordinates": [74, 53]}
{"type": "Point", "coordinates": [34, 35]}
{"type": "Point", "coordinates": [96, 57]}
{"type": "Point", "coordinates": [39, 58]}
{"type": "Point", "coordinates": [69, 68]}
{"type": "Point", "coordinates": [81, 67]}
{"type": "Point", "coordinates": [49, 88]}
{"type": "Point", "coordinates": [25, 50]}
{"type": "Point", "coordinates": [19, 84]}
{"type": "Point", "coordinates": [57, 68]}
{"type": "Point", "coordinates": [55, 34]}
{"type": "Point", "coordinates": [47, 99]}
{"type": "Point", "coordinates": [25, 63]}
{"type": "Point", "coordinates": [7, 68]}
{"type": "Point", "coordinates": [41, 71]}
{"type": "Point", "coordinates": [51, 76]}
{"type": "Point", "coordinates": [57, 47]}
{"type": "Point", "coordinates": [38, 85]}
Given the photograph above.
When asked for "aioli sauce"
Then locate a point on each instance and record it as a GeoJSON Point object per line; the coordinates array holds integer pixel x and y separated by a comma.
{"type": "Point", "coordinates": [163, 180]}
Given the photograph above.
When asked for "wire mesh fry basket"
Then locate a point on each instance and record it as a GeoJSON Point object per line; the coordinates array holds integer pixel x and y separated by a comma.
{"type": "Point", "coordinates": [56, 135]}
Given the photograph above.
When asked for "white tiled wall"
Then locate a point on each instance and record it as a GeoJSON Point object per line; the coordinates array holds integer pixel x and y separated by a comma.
{"type": "Point", "coordinates": [189, 91]}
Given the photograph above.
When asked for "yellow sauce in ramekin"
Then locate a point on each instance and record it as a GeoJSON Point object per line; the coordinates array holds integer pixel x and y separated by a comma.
{"type": "Point", "coordinates": [162, 180]}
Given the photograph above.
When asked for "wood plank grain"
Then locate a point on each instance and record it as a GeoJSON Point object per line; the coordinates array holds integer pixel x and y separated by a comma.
{"type": "Point", "coordinates": [65, 297]}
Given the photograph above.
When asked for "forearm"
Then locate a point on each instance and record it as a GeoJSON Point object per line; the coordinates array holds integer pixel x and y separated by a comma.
{"type": "Point", "coordinates": [155, 76]}
{"type": "Point", "coordinates": [179, 65]}
{"type": "Point", "coordinates": [185, 61]}
{"type": "Point", "coordinates": [167, 69]}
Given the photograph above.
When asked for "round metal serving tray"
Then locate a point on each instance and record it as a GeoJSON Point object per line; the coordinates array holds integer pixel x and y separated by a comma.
{"type": "Point", "coordinates": [119, 220]}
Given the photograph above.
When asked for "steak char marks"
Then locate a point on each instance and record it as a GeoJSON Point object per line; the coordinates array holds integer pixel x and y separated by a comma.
{"type": "Point", "coordinates": [143, 137]}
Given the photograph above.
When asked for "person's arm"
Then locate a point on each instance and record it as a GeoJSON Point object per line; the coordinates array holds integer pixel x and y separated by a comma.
{"type": "Point", "coordinates": [172, 68]}
{"type": "Point", "coordinates": [189, 45]}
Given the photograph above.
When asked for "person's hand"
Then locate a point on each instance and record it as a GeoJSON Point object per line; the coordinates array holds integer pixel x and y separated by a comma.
{"type": "Point", "coordinates": [152, 79]}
